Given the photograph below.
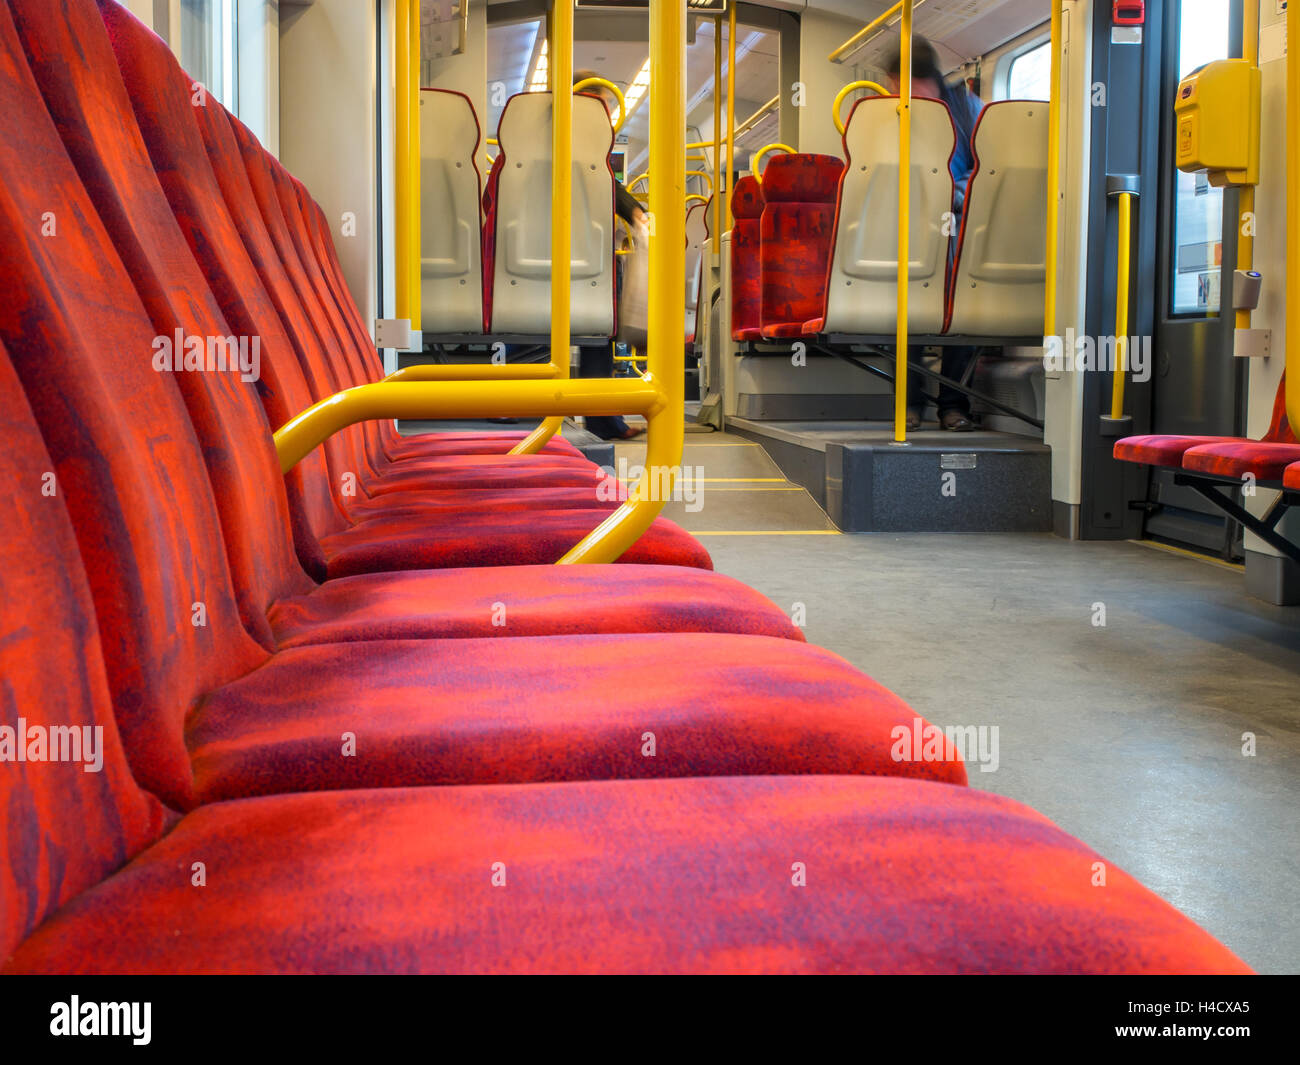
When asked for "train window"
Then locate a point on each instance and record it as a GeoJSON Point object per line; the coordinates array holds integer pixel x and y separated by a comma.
{"type": "Point", "coordinates": [1030, 76]}
{"type": "Point", "coordinates": [1198, 207]}
{"type": "Point", "coordinates": [207, 50]}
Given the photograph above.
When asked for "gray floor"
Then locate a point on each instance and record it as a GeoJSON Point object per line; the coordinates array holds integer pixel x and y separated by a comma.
{"type": "Point", "coordinates": [1128, 735]}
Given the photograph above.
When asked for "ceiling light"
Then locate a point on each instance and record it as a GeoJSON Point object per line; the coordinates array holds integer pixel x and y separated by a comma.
{"type": "Point", "coordinates": [638, 88]}
{"type": "Point", "coordinates": [539, 81]}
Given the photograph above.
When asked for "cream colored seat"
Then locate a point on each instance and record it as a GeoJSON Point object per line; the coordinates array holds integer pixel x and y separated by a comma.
{"type": "Point", "coordinates": [521, 271]}
{"type": "Point", "coordinates": [451, 273]}
{"type": "Point", "coordinates": [998, 285]}
{"type": "Point", "coordinates": [862, 294]}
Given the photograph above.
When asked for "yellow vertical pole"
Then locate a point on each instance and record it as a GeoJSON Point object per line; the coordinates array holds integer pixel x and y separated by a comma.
{"type": "Point", "coordinates": [413, 238]}
{"type": "Point", "coordinates": [1053, 175]}
{"type": "Point", "coordinates": [731, 105]}
{"type": "Point", "coordinates": [1124, 236]}
{"type": "Point", "coordinates": [717, 136]}
{"type": "Point", "coordinates": [560, 51]}
{"type": "Point", "coordinates": [402, 137]}
{"type": "Point", "coordinates": [1246, 194]}
{"type": "Point", "coordinates": [1292, 223]}
{"type": "Point", "coordinates": [667, 313]}
{"type": "Point", "coordinates": [904, 213]}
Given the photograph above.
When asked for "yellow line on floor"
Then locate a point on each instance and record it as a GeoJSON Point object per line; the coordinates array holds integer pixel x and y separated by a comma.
{"type": "Point", "coordinates": [1236, 567]}
{"type": "Point", "coordinates": [765, 532]}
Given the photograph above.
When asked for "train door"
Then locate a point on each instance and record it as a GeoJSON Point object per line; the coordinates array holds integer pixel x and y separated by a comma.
{"type": "Point", "coordinates": [1198, 386]}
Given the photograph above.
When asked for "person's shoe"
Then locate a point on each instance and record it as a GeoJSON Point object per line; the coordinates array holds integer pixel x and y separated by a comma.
{"type": "Point", "coordinates": [629, 433]}
{"type": "Point", "coordinates": [913, 418]}
{"type": "Point", "coordinates": [956, 421]}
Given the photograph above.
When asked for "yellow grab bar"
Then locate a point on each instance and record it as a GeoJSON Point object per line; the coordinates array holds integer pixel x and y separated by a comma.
{"type": "Point", "coordinates": [459, 399]}
{"type": "Point", "coordinates": [904, 213]}
{"type": "Point", "coordinates": [716, 235]}
{"type": "Point", "coordinates": [860, 38]}
{"type": "Point", "coordinates": [665, 377]}
{"type": "Point", "coordinates": [468, 371]}
{"type": "Point", "coordinates": [402, 174]}
{"type": "Point", "coordinates": [731, 106]}
{"type": "Point", "coordinates": [852, 86]}
{"type": "Point", "coordinates": [697, 196]}
{"type": "Point", "coordinates": [636, 181]}
{"type": "Point", "coordinates": [618, 93]}
{"type": "Point", "coordinates": [708, 179]}
{"type": "Point", "coordinates": [773, 147]}
{"type": "Point", "coordinates": [415, 264]}
{"type": "Point", "coordinates": [561, 74]}
{"type": "Point", "coordinates": [1293, 224]}
{"type": "Point", "coordinates": [1053, 175]}
{"type": "Point", "coordinates": [1121, 304]}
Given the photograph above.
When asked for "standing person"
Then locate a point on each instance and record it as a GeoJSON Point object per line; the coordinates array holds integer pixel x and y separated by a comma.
{"type": "Point", "coordinates": [599, 361]}
{"type": "Point", "coordinates": [928, 80]}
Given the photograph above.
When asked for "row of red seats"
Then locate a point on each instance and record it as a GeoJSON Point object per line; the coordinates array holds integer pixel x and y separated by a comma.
{"type": "Point", "coordinates": [633, 772]}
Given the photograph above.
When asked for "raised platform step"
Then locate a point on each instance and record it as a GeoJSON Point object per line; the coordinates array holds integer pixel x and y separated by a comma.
{"type": "Point", "coordinates": [939, 482]}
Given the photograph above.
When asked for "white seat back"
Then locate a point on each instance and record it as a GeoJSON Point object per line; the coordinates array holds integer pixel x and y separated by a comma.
{"type": "Point", "coordinates": [451, 276]}
{"type": "Point", "coordinates": [521, 300]}
{"type": "Point", "coordinates": [862, 296]}
{"type": "Point", "coordinates": [697, 232]}
{"type": "Point", "coordinates": [998, 288]}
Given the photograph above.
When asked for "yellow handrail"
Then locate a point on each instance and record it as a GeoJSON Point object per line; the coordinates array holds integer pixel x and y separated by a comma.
{"type": "Point", "coordinates": [904, 212]}
{"type": "Point", "coordinates": [731, 107]}
{"type": "Point", "coordinates": [696, 196]}
{"type": "Point", "coordinates": [773, 147]}
{"type": "Point", "coordinates": [468, 371]}
{"type": "Point", "coordinates": [667, 313]}
{"type": "Point", "coordinates": [459, 399]}
{"type": "Point", "coordinates": [754, 119]}
{"type": "Point", "coordinates": [701, 174]}
{"type": "Point", "coordinates": [637, 180]}
{"type": "Point", "coordinates": [658, 395]}
{"type": "Point", "coordinates": [561, 74]}
{"type": "Point", "coordinates": [860, 38]}
{"type": "Point", "coordinates": [1293, 224]}
{"type": "Point", "coordinates": [618, 93]}
{"type": "Point", "coordinates": [852, 86]}
{"type": "Point", "coordinates": [1246, 194]}
{"type": "Point", "coordinates": [413, 189]}
{"type": "Point", "coordinates": [716, 235]}
{"type": "Point", "coordinates": [1053, 175]}
{"type": "Point", "coordinates": [1124, 235]}
{"type": "Point", "coordinates": [402, 175]}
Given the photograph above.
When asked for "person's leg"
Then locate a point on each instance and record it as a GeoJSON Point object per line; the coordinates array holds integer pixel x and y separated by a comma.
{"type": "Point", "coordinates": [954, 406]}
{"type": "Point", "coordinates": [599, 362]}
{"type": "Point", "coordinates": [917, 396]}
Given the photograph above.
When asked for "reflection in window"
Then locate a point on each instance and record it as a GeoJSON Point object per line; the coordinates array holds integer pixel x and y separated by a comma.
{"type": "Point", "coordinates": [1198, 207]}
{"type": "Point", "coordinates": [1030, 76]}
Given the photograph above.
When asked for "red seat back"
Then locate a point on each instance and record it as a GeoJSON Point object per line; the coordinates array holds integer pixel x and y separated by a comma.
{"type": "Point", "coordinates": [746, 277]}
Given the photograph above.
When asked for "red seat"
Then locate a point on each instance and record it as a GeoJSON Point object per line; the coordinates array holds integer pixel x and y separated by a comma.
{"type": "Point", "coordinates": [798, 229]}
{"type": "Point", "coordinates": [1219, 455]}
{"type": "Point", "coordinates": [682, 876]}
{"type": "Point", "coordinates": [746, 275]}
{"type": "Point", "coordinates": [1291, 476]}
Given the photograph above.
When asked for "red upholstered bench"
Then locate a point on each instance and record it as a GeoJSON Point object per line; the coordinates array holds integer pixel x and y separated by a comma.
{"type": "Point", "coordinates": [798, 229]}
{"type": "Point", "coordinates": [746, 266]}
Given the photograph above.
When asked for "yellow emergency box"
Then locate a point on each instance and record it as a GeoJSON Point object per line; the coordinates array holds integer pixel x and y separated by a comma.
{"type": "Point", "coordinates": [1217, 122]}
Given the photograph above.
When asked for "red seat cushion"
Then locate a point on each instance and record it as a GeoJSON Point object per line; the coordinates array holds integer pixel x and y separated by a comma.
{"type": "Point", "coordinates": [1160, 450]}
{"type": "Point", "coordinates": [433, 445]}
{"type": "Point", "coordinates": [669, 876]}
{"type": "Point", "coordinates": [559, 708]}
{"type": "Point", "coordinates": [1236, 458]}
{"type": "Point", "coordinates": [527, 601]}
{"type": "Point", "coordinates": [1291, 476]}
{"type": "Point", "coordinates": [510, 538]}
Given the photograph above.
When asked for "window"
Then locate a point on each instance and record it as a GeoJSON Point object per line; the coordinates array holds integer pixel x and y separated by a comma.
{"type": "Point", "coordinates": [208, 52]}
{"type": "Point", "coordinates": [1030, 76]}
